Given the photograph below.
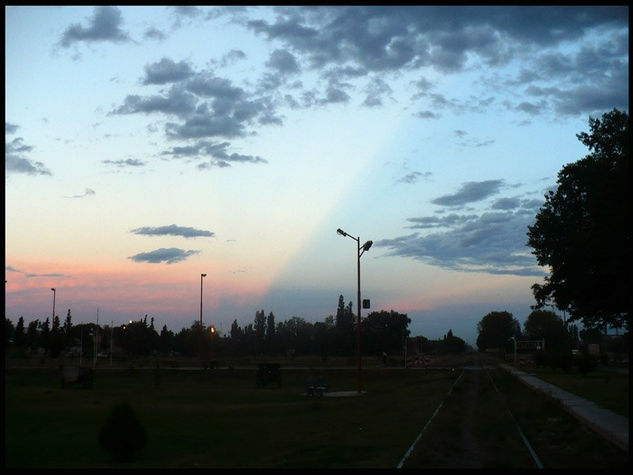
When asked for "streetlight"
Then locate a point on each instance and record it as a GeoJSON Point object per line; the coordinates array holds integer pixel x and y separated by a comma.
{"type": "Point", "coordinates": [201, 328]}
{"type": "Point", "coordinates": [53, 306]}
{"type": "Point", "coordinates": [201, 276]}
{"type": "Point", "coordinates": [361, 250]}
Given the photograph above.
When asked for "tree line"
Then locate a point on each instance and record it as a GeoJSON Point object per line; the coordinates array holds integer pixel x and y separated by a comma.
{"type": "Point", "coordinates": [382, 331]}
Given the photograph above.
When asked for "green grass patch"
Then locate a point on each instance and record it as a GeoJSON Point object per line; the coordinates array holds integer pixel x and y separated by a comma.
{"type": "Point", "coordinates": [220, 418]}
{"type": "Point", "coordinates": [608, 389]}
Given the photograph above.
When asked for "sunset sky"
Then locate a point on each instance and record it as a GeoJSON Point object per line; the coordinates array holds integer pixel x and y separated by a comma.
{"type": "Point", "coordinates": [145, 146]}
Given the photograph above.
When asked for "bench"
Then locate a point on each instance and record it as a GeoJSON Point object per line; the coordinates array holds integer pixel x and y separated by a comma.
{"type": "Point", "coordinates": [73, 376]}
{"type": "Point", "coordinates": [316, 388]}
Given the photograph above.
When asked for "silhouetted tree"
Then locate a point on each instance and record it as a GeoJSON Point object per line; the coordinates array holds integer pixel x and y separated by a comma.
{"type": "Point", "coordinates": [344, 328]}
{"type": "Point", "coordinates": [56, 339]}
{"type": "Point", "coordinates": [270, 332]}
{"type": "Point", "coordinates": [546, 324]}
{"type": "Point", "coordinates": [32, 334]}
{"type": "Point", "coordinates": [582, 232]}
{"type": "Point", "coordinates": [384, 332]}
{"type": "Point", "coordinates": [19, 337]}
{"type": "Point", "coordinates": [45, 331]}
{"type": "Point", "coordinates": [495, 329]}
{"type": "Point", "coordinates": [260, 330]}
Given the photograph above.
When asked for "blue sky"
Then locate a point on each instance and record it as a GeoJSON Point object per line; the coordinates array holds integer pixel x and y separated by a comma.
{"type": "Point", "coordinates": [145, 146]}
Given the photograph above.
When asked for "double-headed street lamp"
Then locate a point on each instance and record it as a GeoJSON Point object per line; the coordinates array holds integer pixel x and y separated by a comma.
{"type": "Point", "coordinates": [361, 250]}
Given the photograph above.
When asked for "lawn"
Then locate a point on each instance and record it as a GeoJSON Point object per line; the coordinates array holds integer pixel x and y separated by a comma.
{"type": "Point", "coordinates": [608, 389]}
{"type": "Point", "coordinates": [219, 418]}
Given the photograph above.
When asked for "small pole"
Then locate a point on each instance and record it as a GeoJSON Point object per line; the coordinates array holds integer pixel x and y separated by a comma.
{"type": "Point", "coordinates": [111, 337]}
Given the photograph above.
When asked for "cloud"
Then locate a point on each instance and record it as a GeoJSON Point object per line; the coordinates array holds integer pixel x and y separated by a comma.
{"type": "Point", "coordinates": [170, 255]}
{"type": "Point", "coordinates": [172, 230]}
{"type": "Point", "coordinates": [87, 192]}
{"type": "Point", "coordinates": [32, 275]}
{"type": "Point", "coordinates": [16, 162]}
{"type": "Point", "coordinates": [10, 128]}
{"type": "Point", "coordinates": [104, 25]}
{"type": "Point", "coordinates": [493, 243]}
{"type": "Point", "coordinates": [469, 193]}
{"type": "Point", "coordinates": [216, 150]}
{"type": "Point", "coordinates": [413, 177]}
{"type": "Point", "coordinates": [506, 203]}
{"type": "Point", "coordinates": [154, 34]}
{"type": "Point", "coordinates": [130, 162]}
{"type": "Point", "coordinates": [166, 71]}
{"type": "Point", "coordinates": [283, 61]}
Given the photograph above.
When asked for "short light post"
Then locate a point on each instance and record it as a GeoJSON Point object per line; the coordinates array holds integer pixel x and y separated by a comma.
{"type": "Point", "coordinates": [361, 250]}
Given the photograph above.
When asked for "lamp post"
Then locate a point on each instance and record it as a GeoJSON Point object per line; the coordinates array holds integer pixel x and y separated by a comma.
{"type": "Point", "coordinates": [361, 250]}
{"type": "Point", "coordinates": [201, 276]}
{"type": "Point", "coordinates": [201, 328]}
{"type": "Point", "coordinates": [54, 292]}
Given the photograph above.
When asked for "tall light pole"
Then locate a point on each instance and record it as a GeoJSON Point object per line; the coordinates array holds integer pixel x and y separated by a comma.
{"type": "Point", "coordinates": [201, 330]}
{"type": "Point", "coordinates": [201, 276]}
{"type": "Point", "coordinates": [361, 250]}
{"type": "Point", "coordinates": [53, 307]}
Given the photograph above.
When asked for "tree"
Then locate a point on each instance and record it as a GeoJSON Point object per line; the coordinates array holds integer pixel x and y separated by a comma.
{"type": "Point", "coordinates": [384, 331]}
{"type": "Point", "coordinates": [546, 324]}
{"type": "Point", "coordinates": [260, 329]}
{"type": "Point", "coordinates": [582, 230]}
{"type": "Point", "coordinates": [495, 329]}
{"type": "Point", "coordinates": [19, 337]}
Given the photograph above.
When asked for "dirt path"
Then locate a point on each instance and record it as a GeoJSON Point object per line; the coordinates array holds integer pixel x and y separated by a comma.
{"type": "Point", "coordinates": [473, 429]}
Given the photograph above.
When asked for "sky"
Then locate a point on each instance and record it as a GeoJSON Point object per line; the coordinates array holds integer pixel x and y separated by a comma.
{"type": "Point", "coordinates": [145, 146]}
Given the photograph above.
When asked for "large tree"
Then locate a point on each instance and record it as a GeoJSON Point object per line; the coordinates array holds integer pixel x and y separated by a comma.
{"type": "Point", "coordinates": [581, 233]}
{"type": "Point", "coordinates": [546, 324]}
{"type": "Point", "coordinates": [495, 329]}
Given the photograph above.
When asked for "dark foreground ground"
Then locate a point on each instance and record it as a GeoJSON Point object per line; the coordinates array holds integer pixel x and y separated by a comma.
{"type": "Point", "coordinates": [464, 413]}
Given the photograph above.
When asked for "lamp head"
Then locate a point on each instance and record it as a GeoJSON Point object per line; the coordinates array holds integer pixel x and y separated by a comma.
{"type": "Point", "coordinates": [341, 232]}
{"type": "Point", "coordinates": [203, 275]}
{"type": "Point", "coordinates": [367, 245]}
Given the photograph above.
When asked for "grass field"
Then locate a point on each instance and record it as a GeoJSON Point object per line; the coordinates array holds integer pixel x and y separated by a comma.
{"type": "Point", "coordinates": [606, 388]}
{"type": "Point", "coordinates": [219, 418]}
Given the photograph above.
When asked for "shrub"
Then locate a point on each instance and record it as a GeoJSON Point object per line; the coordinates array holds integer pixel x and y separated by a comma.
{"type": "Point", "coordinates": [586, 363]}
{"type": "Point", "coordinates": [562, 360]}
{"type": "Point", "coordinates": [122, 433]}
{"type": "Point", "coordinates": [540, 359]}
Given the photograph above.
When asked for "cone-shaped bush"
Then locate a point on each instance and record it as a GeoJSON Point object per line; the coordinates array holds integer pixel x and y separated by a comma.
{"type": "Point", "coordinates": [122, 433]}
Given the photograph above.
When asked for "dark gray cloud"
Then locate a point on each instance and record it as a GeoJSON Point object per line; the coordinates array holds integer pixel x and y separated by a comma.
{"type": "Point", "coordinates": [366, 40]}
{"type": "Point", "coordinates": [388, 38]}
{"type": "Point", "coordinates": [16, 162]}
{"type": "Point", "coordinates": [470, 192]}
{"type": "Point", "coordinates": [283, 61]}
{"type": "Point", "coordinates": [10, 128]}
{"type": "Point", "coordinates": [170, 255]}
{"type": "Point", "coordinates": [129, 162]}
{"type": "Point", "coordinates": [218, 151]}
{"type": "Point", "coordinates": [172, 230]}
{"type": "Point", "coordinates": [494, 243]}
{"type": "Point", "coordinates": [176, 102]}
{"type": "Point", "coordinates": [166, 71]}
{"type": "Point", "coordinates": [104, 25]}
{"type": "Point", "coordinates": [506, 203]}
